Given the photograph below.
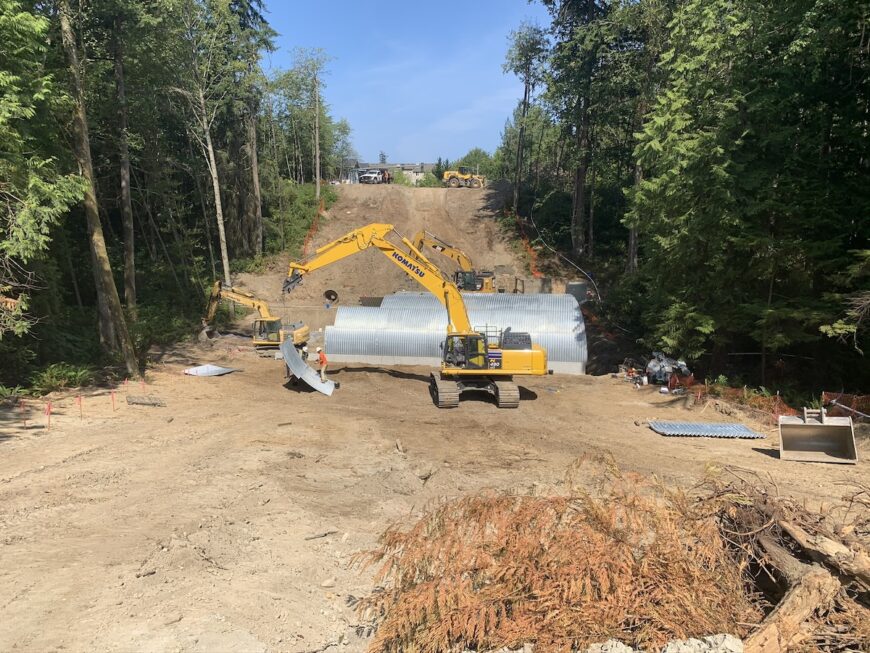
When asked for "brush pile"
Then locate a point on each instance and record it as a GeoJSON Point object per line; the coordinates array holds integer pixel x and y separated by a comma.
{"type": "Point", "coordinates": [637, 562]}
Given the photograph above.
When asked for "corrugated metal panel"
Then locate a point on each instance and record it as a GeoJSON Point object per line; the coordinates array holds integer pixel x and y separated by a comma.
{"type": "Point", "coordinates": [704, 430]}
{"type": "Point", "coordinates": [408, 328]}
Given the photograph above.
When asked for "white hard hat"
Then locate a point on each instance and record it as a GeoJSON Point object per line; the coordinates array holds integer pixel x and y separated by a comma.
{"type": "Point", "coordinates": [305, 349]}
{"type": "Point", "coordinates": [319, 349]}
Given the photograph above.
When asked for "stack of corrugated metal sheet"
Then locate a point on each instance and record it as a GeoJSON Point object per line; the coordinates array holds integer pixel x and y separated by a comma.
{"type": "Point", "coordinates": [704, 430]}
{"type": "Point", "coordinates": [409, 328]}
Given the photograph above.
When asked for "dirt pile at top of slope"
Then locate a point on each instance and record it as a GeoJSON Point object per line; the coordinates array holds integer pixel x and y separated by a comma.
{"type": "Point", "coordinates": [462, 217]}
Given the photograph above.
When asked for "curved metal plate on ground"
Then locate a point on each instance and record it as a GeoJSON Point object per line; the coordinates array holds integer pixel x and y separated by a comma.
{"type": "Point", "coordinates": [409, 328]}
{"type": "Point", "coordinates": [301, 369]}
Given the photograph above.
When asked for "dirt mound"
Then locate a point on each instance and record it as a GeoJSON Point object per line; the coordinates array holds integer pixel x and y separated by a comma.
{"type": "Point", "coordinates": [463, 217]}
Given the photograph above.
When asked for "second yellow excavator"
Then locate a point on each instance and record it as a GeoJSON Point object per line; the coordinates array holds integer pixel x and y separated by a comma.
{"type": "Point", "coordinates": [466, 277]}
{"type": "Point", "coordinates": [268, 329]}
{"type": "Point", "coordinates": [471, 359]}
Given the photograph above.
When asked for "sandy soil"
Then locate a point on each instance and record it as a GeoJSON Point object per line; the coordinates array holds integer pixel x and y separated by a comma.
{"type": "Point", "coordinates": [228, 519]}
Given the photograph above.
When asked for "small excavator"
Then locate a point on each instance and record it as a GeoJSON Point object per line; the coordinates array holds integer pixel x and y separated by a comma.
{"type": "Point", "coordinates": [268, 330]}
{"type": "Point", "coordinates": [466, 278]}
{"type": "Point", "coordinates": [471, 359]}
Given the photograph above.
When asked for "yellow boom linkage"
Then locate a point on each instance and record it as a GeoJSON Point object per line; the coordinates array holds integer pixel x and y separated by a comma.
{"type": "Point", "coordinates": [268, 329]}
{"type": "Point", "coordinates": [471, 360]}
{"type": "Point", "coordinates": [466, 278]}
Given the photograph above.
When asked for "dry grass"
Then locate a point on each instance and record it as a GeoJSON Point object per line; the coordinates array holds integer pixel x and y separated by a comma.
{"type": "Point", "coordinates": [561, 572]}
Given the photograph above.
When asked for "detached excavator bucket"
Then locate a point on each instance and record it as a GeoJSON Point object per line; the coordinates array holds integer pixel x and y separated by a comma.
{"type": "Point", "coordinates": [815, 437]}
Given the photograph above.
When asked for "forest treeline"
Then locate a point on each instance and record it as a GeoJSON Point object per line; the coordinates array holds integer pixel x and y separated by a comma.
{"type": "Point", "coordinates": [144, 152]}
{"type": "Point", "coordinates": [707, 161]}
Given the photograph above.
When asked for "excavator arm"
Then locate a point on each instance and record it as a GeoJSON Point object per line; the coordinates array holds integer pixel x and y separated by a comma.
{"type": "Point", "coordinates": [424, 239]}
{"type": "Point", "coordinates": [415, 265]}
{"type": "Point", "coordinates": [239, 297]}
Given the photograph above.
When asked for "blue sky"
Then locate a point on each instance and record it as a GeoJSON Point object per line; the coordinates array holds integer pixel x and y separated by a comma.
{"type": "Point", "coordinates": [414, 79]}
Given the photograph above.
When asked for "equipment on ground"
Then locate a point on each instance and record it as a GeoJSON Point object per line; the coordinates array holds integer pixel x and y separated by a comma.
{"type": "Point", "coordinates": [466, 278]}
{"type": "Point", "coordinates": [268, 329]}
{"type": "Point", "coordinates": [815, 437]}
{"type": "Point", "coordinates": [661, 368]}
{"type": "Point", "coordinates": [462, 178]}
{"type": "Point", "coordinates": [472, 359]}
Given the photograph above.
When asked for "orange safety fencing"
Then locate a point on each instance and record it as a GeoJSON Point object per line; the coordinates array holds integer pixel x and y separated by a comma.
{"type": "Point", "coordinates": [854, 406]}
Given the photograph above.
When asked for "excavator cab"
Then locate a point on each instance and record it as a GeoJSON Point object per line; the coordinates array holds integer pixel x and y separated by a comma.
{"type": "Point", "coordinates": [267, 331]}
{"type": "Point", "coordinates": [467, 352]}
{"type": "Point", "coordinates": [467, 280]}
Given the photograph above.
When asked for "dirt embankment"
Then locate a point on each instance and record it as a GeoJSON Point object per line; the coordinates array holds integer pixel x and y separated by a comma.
{"type": "Point", "coordinates": [463, 217]}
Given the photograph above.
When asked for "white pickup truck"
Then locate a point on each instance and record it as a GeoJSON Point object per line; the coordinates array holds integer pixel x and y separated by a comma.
{"type": "Point", "coordinates": [371, 177]}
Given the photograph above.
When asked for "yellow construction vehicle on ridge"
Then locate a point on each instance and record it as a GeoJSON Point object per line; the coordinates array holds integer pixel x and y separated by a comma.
{"type": "Point", "coordinates": [268, 329]}
{"type": "Point", "coordinates": [462, 177]}
{"type": "Point", "coordinates": [466, 278]}
{"type": "Point", "coordinates": [471, 359]}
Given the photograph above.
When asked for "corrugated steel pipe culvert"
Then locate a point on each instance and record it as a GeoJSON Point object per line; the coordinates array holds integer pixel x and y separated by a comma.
{"type": "Point", "coordinates": [408, 328]}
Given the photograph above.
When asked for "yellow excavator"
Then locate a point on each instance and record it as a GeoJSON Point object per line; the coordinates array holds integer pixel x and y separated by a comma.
{"type": "Point", "coordinates": [268, 329]}
{"type": "Point", "coordinates": [471, 359]}
{"type": "Point", "coordinates": [466, 278]}
{"type": "Point", "coordinates": [462, 177]}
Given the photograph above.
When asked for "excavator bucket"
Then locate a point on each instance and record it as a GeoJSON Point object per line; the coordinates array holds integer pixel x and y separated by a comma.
{"type": "Point", "coordinates": [815, 437]}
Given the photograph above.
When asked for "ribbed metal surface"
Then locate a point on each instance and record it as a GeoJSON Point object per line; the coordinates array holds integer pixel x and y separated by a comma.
{"type": "Point", "coordinates": [705, 430]}
{"type": "Point", "coordinates": [408, 328]}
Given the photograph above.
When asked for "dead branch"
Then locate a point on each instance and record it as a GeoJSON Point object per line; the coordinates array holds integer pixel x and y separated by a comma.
{"type": "Point", "coordinates": [814, 591]}
{"type": "Point", "coordinates": [855, 564]}
{"type": "Point", "coordinates": [790, 568]}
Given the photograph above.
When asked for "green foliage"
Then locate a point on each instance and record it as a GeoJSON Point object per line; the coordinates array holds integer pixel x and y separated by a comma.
{"type": "Point", "coordinates": [60, 376]}
{"type": "Point", "coordinates": [429, 180]}
{"type": "Point", "coordinates": [728, 140]}
{"type": "Point", "coordinates": [401, 178]}
{"type": "Point", "coordinates": [479, 161]}
{"type": "Point", "coordinates": [7, 393]}
{"type": "Point", "coordinates": [438, 170]}
{"type": "Point", "coordinates": [290, 214]}
{"type": "Point", "coordinates": [34, 194]}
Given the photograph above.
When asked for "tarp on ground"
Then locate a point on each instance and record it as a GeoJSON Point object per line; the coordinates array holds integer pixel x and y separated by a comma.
{"type": "Point", "coordinates": [209, 370]}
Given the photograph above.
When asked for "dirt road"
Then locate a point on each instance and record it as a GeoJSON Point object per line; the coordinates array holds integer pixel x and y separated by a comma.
{"type": "Point", "coordinates": [228, 519]}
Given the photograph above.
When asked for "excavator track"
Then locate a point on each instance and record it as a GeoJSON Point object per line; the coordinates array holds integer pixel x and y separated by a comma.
{"type": "Point", "coordinates": [507, 394]}
{"type": "Point", "coordinates": [444, 392]}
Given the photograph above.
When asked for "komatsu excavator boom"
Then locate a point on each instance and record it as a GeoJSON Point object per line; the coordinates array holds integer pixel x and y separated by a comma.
{"type": "Point", "coordinates": [471, 360]}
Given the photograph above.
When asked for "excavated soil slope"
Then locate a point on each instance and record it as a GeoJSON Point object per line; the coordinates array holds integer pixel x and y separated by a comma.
{"type": "Point", "coordinates": [463, 217]}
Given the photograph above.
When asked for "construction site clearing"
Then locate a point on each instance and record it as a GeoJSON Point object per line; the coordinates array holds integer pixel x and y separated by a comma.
{"type": "Point", "coordinates": [244, 512]}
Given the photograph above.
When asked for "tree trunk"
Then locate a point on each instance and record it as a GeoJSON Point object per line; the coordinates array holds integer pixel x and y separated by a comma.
{"type": "Point", "coordinates": [124, 160]}
{"type": "Point", "coordinates": [520, 137]}
{"type": "Point", "coordinates": [578, 204]}
{"type": "Point", "coordinates": [631, 261]}
{"type": "Point", "coordinates": [216, 187]}
{"type": "Point", "coordinates": [578, 211]}
{"type": "Point", "coordinates": [255, 176]}
{"type": "Point", "coordinates": [111, 313]}
{"type": "Point", "coordinates": [590, 245]}
{"type": "Point", "coordinates": [316, 139]}
{"type": "Point", "coordinates": [208, 239]}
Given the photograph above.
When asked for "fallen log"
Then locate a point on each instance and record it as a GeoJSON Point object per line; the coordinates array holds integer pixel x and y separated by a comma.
{"type": "Point", "coordinates": [855, 564]}
{"type": "Point", "coordinates": [815, 590]}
